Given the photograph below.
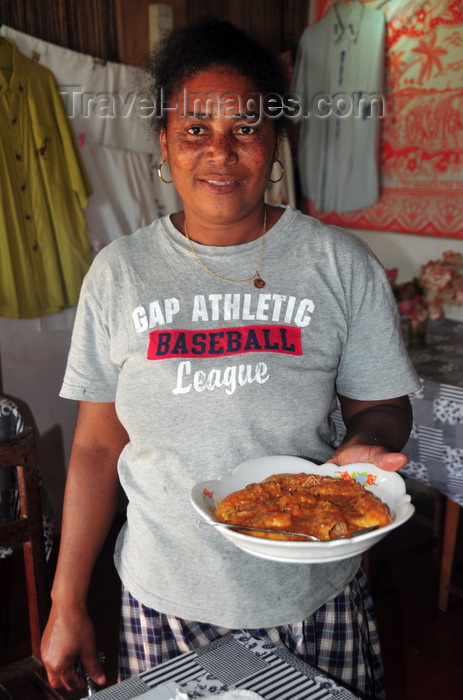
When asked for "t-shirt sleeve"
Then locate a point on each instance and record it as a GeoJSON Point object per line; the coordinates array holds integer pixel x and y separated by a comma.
{"type": "Point", "coordinates": [91, 375]}
{"type": "Point", "coordinates": [374, 364]}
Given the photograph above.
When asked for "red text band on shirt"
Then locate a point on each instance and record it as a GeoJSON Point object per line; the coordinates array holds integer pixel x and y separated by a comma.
{"type": "Point", "coordinates": [224, 341]}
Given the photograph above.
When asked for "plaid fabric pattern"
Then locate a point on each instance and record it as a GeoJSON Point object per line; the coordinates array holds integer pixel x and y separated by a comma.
{"type": "Point", "coordinates": [341, 639]}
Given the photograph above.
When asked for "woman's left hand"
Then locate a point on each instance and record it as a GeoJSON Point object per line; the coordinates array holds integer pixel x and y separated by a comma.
{"type": "Point", "coordinates": [374, 454]}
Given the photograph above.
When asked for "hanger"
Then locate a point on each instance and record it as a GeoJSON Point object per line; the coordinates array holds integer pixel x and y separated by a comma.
{"type": "Point", "coordinates": [361, 3]}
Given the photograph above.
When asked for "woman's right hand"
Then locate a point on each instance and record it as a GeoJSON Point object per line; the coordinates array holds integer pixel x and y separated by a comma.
{"type": "Point", "coordinates": [69, 637]}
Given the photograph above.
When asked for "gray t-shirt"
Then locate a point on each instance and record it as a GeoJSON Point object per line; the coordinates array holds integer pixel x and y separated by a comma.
{"type": "Point", "coordinates": [207, 374]}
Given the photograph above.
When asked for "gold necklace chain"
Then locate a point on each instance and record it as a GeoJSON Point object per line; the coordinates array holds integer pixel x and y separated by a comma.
{"type": "Point", "coordinates": [258, 280]}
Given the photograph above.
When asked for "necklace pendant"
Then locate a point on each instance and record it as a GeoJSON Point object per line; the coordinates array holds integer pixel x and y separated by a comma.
{"type": "Point", "coordinates": [259, 282]}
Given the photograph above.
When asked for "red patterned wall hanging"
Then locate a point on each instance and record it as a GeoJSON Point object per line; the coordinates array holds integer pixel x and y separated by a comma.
{"type": "Point", "coordinates": [421, 154]}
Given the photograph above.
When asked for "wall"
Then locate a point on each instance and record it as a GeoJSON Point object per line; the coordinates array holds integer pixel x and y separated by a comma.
{"type": "Point", "coordinates": [88, 25]}
{"type": "Point", "coordinates": [276, 23]}
{"type": "Point", "coordinates": [409, 252]}
{"type": "Point", "coordinates": [133, 28]}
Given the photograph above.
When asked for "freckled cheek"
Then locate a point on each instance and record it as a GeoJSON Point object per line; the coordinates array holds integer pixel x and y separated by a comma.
{"type": "Point", "coordinates": [260, 162]}
{"type": "Point", "coordinates": [185, 159]}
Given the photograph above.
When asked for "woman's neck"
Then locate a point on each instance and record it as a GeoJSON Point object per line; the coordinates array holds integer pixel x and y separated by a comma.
{"type": "Point", "coordinates": [227, 233]}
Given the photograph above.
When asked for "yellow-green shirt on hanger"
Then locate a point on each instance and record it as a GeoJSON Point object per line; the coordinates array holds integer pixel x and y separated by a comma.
{"type": "Point", "coordinates": [44, 240]}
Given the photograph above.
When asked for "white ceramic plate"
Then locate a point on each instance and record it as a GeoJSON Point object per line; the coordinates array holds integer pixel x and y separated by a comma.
{"type": "Point", "coordinates": [388, 486]}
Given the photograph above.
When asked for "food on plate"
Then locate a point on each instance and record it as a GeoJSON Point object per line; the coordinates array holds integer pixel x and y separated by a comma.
{"type": "Point", "coordinates": [324, 506]}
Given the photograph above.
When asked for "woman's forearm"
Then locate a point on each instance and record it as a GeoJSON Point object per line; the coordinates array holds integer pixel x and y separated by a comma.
{"type": "Point", "coordinates": [91, 497]}
{"type": "Point", "coordinates": [90, 501]}
{"type": "Point", "coordinates": [381, 424]}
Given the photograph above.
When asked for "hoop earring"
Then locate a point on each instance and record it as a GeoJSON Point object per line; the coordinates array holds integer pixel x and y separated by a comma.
{"type": "Point", "coordinates": [163, 162]}
{"type": "Point", "coordinates": [282, 171]}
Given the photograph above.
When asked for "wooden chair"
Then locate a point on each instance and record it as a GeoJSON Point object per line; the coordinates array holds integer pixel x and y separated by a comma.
{"type": "Point", "coordinates": [446, 585]}
{"type": "Point", "coordinates": [25, 677]}
{"type": "Point", "coordinates": [444, 525]}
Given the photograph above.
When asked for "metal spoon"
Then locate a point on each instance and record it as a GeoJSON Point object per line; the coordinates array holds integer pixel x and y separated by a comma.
{"type": "Point", "coordinates": [274, 531]}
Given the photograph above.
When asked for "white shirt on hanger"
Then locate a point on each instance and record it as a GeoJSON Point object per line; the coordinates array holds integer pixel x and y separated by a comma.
{"type": "Point", "coordinates": [339, 81]}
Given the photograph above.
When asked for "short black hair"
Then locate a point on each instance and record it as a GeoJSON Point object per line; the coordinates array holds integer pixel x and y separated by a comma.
{"type": "Point", "coordinates": [210, 42]}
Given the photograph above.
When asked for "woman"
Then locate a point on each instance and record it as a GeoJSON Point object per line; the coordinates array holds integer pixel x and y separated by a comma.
{"type": "Point", "coordinates": [177, 383]}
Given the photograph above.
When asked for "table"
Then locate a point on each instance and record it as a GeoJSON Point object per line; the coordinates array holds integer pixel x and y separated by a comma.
{"type": "Point", "coordinates": [235, 661]}
{"type": "Point", "coordinates": [435, 446]}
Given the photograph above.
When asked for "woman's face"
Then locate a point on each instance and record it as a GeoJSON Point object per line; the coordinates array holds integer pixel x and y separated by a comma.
{"type": "Point", "coordinates": [220, 155]}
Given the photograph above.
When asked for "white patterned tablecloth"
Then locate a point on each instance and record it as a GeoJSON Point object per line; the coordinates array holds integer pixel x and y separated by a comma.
{"type": "Point", "coordinates": [235, 661]}
{"type": "Point", "coordinates": [435, 446]}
